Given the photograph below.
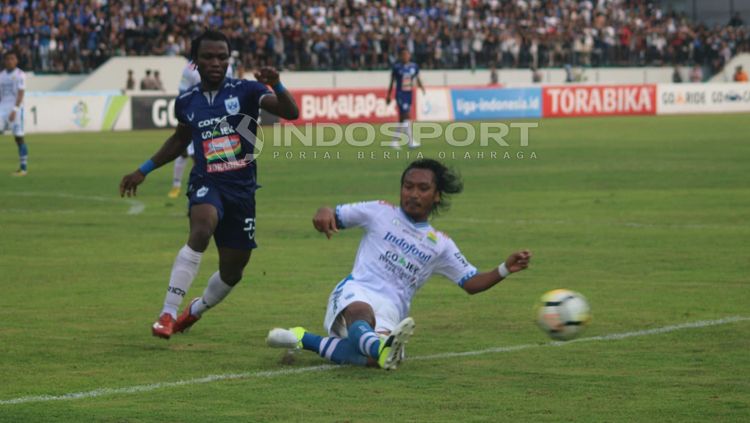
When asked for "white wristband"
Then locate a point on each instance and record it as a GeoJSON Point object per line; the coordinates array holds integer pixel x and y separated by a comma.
{"type": "Point", "coordinates": [16, 109]}
{"type": "Point", "coordinates": [503, 270]}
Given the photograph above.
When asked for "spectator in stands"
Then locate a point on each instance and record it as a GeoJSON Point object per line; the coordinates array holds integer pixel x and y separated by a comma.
{"type": "Point", "coordinates": [158, 85]}
{"type": "Point", "coordinates": [569, 77]}
{"type": "Point", "coordinates": [696, 75]}
{"type": "Point", "coordinates": [130, 83]}
{"type": "Point", "coordinates": [736, 20]}
{"type": "Point", "coordinates": [740, 75]}
{"type": "Point", "coordinates": [148, 83]}
{"type": "Point", "coordinates": [536, 76]}
{"type": "Point", "coordinates": [677, 75]}
{"type": "Point", "coordinates": [66, 36]}
{"type": "Point", "coordinates": [493, 75]}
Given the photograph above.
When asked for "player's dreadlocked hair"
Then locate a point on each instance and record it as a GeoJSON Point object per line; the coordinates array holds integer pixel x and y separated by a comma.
{"type": "Point", "coordinates": [208, 35]}
{"type": "Point", "coordinates": [448, 181]}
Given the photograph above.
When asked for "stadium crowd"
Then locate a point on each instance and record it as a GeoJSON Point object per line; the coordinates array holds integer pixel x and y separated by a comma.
{"type": "Point", "coordinates": [77, 36]}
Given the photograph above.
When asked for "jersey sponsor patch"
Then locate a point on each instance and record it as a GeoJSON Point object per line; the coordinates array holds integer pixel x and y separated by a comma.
{"type": "Point", "coordinates": [222, 154]}
{"type": "Point", "coordinates": [406, 81]}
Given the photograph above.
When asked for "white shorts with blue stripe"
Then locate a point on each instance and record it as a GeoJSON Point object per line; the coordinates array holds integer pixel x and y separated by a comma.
{"type": "Point", "coordinates": [348, 291]}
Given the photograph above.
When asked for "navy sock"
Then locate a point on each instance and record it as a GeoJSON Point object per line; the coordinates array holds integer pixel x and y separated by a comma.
{"type": "Point", "coordinates": [23, 155]}
{"type": "Point", "coordinates": [364, 339]}
{"type": "Point", "coordinates": [334, 349]}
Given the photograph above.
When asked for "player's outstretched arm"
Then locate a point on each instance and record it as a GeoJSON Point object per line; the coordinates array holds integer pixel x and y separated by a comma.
{"type": "Point", "coordinates": [325, 221]}
{"type": "Point", "coordinates": [172, 147]}
{"type": "Point", "coordinates": [483, 281]}
{"type": "Point", "coordinates": [281, 104]}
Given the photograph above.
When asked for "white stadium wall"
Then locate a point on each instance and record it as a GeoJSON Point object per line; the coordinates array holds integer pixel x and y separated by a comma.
{"type": "Point", "coordinates": [71, 112]}
{"type": "Point", "coordinates": [113, 74]}
{"type": "Point", "coordinates": [507, 77]}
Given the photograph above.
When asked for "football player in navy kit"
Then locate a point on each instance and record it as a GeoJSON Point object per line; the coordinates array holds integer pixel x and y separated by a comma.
{"type": "Point", "coordinates": [219, 116]}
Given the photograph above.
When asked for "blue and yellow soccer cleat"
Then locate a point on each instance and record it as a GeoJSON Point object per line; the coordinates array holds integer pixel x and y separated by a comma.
{"type": "Point", "coordinates": [392, 350]}
{"type": "Point", "coordinates": [174, 192]}
{"type": "Point", "coordinates": [19, 172]}
{"type": "Point", "coordinates": [286, 338]}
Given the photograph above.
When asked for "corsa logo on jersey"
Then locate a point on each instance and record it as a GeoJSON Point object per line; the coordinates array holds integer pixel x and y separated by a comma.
{"type": "Point", "coordinates": [407, 247]}
{"type": "Point", "coordinates": [210, 122]}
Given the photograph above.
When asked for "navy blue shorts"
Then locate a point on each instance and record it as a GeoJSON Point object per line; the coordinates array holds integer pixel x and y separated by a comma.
{"type": "Point", "coordinates": [236, 228]}
{"type": "Point", "coordinates": [403, 100]}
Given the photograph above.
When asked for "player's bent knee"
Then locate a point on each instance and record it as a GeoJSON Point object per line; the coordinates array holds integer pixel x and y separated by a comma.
{"type": "Point", "coordinates": [359, 311]}
{"type": "Point", "coordinates": [200, 236]}
{"type": "Point", "coordinates": [230, 278]}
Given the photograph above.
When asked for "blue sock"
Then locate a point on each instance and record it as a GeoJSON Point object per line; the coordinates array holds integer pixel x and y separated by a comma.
{"type": "Point", "coordinates": [364, 339]}
{"type": "Point", "coordinates": [23, 155]}
{"type": "Point", "coordinates": [335, 349]}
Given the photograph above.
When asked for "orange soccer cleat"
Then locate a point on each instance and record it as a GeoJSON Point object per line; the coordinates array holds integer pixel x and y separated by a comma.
{"type": "Point", "coordinates": [186, 320]}
{"type": "Point", "coordinates": [164, 327]}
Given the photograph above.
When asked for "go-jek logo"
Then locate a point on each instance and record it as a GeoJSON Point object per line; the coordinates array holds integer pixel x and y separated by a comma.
{"type": "Point", "coordinates": [407, 247]}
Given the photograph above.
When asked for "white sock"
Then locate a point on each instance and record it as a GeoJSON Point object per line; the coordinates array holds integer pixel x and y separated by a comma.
{"type": "Point", "coordinates": [407, 126]}
{"type": "Point", "coordinates": [215, 292]}
{"type": "Point", "coordinates": [399, 129]}
{"type": "Point", "coordinates": [184, 269]}
{"type": "Point", "coordinates": [179, 167]}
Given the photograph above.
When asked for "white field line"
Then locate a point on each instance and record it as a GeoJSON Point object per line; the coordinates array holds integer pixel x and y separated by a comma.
{"type": "Point", "coordinates": [136, 207]}
{"type": "Point", "coordinates": [285, 372]}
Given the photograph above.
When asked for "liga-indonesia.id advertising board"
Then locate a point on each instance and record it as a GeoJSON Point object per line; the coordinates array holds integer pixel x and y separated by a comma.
{"type": "Point", "coordinates": [598, 100]}
{"type": "Point", "coordinates": [703, 98]}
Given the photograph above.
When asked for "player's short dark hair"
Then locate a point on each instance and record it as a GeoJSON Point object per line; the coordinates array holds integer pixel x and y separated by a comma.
{"type": "Point", "coordinates": [9, 53]}
{"type": "Point", "coordinates": [447, 180]}
{"type": "Point", "coordinates": [207, 35]}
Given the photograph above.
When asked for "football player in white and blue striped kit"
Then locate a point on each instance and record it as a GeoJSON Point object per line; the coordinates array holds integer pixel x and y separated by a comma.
{"type": "Point", "coordinates": [12, 91]}
{"type": "Point", "coordinates": [399, 252]}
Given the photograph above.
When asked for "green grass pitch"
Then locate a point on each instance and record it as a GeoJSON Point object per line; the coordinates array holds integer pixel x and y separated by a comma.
{"type": "Point", "coordinates": [648, 217]}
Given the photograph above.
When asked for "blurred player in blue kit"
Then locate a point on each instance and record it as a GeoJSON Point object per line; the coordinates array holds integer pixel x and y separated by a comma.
{"type": "Point", "coordinates": [219, 117]}
{"type": "Point", "coordinates": [405, 74]}
{"type": "Point", "coordinates": [367, 318]}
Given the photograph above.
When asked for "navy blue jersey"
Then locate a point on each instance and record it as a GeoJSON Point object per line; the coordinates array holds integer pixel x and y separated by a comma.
{"type": "Point", "coordinates": [223, 147]}
{"type": "Point", "coordinates": [405, 76]}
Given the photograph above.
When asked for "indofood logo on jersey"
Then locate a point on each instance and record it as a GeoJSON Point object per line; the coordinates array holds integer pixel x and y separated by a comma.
{"type": "Point", "coordinates": [407, 247]}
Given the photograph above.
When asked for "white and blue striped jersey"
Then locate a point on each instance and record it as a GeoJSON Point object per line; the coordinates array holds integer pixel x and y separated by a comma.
{"type": "Point", "coordinates": [397, 255]}
{"type": "Point", "coordinates": [11, 82]}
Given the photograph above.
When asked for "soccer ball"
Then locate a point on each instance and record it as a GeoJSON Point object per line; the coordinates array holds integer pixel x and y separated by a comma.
{"type": "Point", "coordinates": [563, 314]}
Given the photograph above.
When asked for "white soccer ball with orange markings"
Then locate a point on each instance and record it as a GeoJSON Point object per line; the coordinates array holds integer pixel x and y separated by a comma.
{"type": "Point", "coordinates": [563, 314]}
